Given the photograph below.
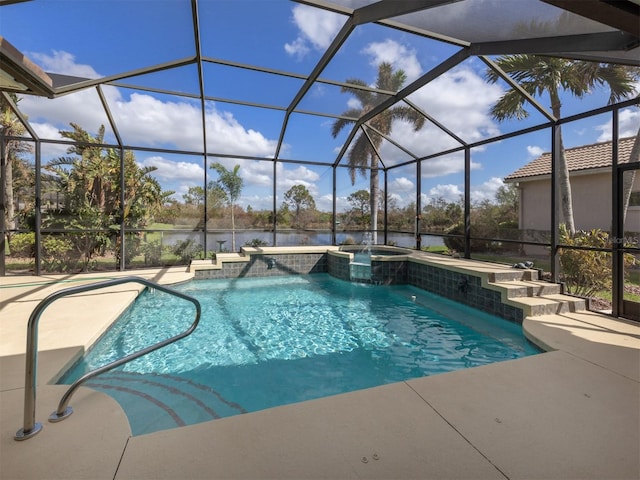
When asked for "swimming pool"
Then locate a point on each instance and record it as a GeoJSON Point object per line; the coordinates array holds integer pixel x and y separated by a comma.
{"type": "Point", "coordinates": [264, 342]}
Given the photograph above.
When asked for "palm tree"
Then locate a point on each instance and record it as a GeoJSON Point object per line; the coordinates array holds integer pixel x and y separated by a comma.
{"type": "Point", "coordinates": [90, 177]}
{"type": "Point", "coordinates": [539, 74]}
{"type": "Point", "coordinates": [10, 126]}
{"type": "Point", "coordinates": [362, 156]}
{"type": "Point", "coordinates": [630, 176]}
{"type": "Point", "coordinates": [230, 183]}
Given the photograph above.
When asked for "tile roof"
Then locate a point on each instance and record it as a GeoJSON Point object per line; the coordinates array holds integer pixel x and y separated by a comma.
{"type": "Point", "coordinates": [587, 157]}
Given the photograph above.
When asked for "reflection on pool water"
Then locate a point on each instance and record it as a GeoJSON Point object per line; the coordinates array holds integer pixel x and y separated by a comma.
{"type": "Point", "coordinates": [264, 342]}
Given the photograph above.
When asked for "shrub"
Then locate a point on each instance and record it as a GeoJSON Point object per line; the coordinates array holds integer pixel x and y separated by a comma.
{"type": "Point", "coordinates": [454, 243]}
{"type": "Point", "coordinates": [186, 250]}
{"type": "Point", "coordinates": [23, 245]}
{"type": "Point", "coordinates": [58, 254]}
{"type": "Point", "coordinates": [349, 240]}
{"type": "Point", "coordinates": [586, 272]}
{"type": "Point", "coordinates": [256, 242]}
{"type": "Point", "coordinates": [152, 252]}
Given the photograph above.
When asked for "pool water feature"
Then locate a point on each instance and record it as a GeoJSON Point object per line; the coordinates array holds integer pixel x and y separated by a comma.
{"type": "Point", "coordinates": [264, 342]}
{"type": "Point", "coordinates": [360, 266]}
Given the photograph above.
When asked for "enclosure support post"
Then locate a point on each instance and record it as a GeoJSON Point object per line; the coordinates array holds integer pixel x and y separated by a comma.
{"type": "Point", "coordinates": [3, 209]}
{"type": "Point", "coordinates": [334, 216]}
{"type": "Point", "coordinates": [555, 204]}
{"type": "Point", "coordinates": [38, 206]}
{"type": "Point", "coordinates": [386, 205]}
{"type": "Point", "coordinates": [418, 204]}
{"type": "Point", "coordinates": [123, 249]}
{"type": "Point", "coordinates": [617, 227]}
{"type": "Point", "coordinates": [275, 204]}
{"type": "Point", "coordinates": [467, 202]}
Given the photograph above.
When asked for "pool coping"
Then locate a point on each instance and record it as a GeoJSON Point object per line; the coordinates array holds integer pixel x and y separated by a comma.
{"type": "Point", "coordinates": [595, 345]}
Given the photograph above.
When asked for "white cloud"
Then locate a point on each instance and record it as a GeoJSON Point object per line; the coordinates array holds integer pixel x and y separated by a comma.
{"type": "Point", "coordinates": [486, 190]}
{"type": "Point", "coordinates": [226, 135]}
{"type": "Point", "coordinates": [317, 28]}
{"type": "Point", "coordinates": [534, 151]}
{"type": "Point", "coordinates": [142, 119]}
{"type": "Point", "coordinates": [461, 101]}
{"type": "Point", "coordinates": [450, 192]}
{"type": "Point", "coordinates": [629, 124]}
{"type": "Point", "coordinates": [446, 165]}
{"type": "Point", "coordinates": [298, 47]}
{"type": "Point", "coordinates": [398, 200]}
{"type": "Point", "coordinates": [400, 185]}
{"type": "Point", "coordinates": [49, 150]}
{"type": "Point", "coordinates": [52, 115]}
{"type": "Point", "coordinates": [398, 55]}
{"type": "Point", "coordinates": [64, 63]}
{"type": "Point", "coordinates": [257, 202]}
{"type": "Point", "coordinates": [325, 203]}
{"type": "Point", "coordinates": [354, 103]}
{"type": "Point", "coordinates": [170, 170]}
{"type": "Point", "coordinates": [300, 173]}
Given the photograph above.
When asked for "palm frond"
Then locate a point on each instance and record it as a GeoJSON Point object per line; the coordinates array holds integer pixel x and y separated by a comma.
{"type": "Point", "coordinates": [363, 96]}
{"type": "Point", "coordinates": [340, 123]}
{"type": "Point", "coordinates": [408, 114]}
{"type": "Point", "coordinates": [510, 105]}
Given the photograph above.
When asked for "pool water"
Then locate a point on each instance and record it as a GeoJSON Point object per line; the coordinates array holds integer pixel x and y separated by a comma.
{"type": "Point", "coordinates": [264, 342]}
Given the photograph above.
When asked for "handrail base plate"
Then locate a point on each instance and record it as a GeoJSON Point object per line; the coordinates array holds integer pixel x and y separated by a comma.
{"type": "Point", "coordinates": [22, 435]}
{"type": "Point", "coordinates": [58, 417]}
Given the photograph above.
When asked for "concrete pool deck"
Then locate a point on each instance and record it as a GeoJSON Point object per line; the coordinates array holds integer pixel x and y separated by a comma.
{"type": "Point", "coordinates": [570, 413]}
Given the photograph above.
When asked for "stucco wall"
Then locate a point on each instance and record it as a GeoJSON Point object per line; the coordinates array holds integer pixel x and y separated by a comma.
{"type": "Point", "coordinates": [591, 203]}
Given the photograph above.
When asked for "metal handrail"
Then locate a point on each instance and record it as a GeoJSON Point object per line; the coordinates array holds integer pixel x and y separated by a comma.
{"type": "Point", "coordinates": [31, 427]}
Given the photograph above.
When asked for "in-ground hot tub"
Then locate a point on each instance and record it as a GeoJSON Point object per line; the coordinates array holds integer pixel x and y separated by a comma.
{"type": "Point", "coordinates": [379, 264]}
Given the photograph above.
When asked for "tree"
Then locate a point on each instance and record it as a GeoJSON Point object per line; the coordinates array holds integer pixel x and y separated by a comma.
{"type": "Point", "coordinates": [360, 212]}
{"type": "Point", "coordinates": [630, 176]}
{"type": "Point", "coordinates": [90, 182]}
{"type": "Point", "coordinates": [363, 155]}
{"type": "Point", "coordinates": [300, 200]}
{"type": "Point", "coordinates": [194, 196]}
{"type": "Point", "coordinates": [230, 183]}
{"type": "Point", "coordinates": [11, 126]}
{"type": "Point", "coordinates": [538, 75]}
{"type": "Point", "coordinates": [440, 214]}
{"type": "Point", "coordinates": [508, 200]}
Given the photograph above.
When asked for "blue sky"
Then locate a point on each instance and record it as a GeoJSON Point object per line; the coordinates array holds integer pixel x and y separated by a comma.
{"type": "Point", "coordinates": [100, 38]}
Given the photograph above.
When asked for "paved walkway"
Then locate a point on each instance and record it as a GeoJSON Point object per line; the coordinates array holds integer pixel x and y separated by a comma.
{"type": "Point", "coordinates": [571, 413]}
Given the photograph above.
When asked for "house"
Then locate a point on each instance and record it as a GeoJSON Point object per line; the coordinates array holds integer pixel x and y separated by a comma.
{"type": "Point", "coordinates": [591, 184]}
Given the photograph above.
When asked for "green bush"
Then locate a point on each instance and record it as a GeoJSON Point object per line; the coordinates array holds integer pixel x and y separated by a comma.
{"type": "Point", "coordinates": [586, 272]}
{"type": "Point", "coordinates": [152, 252]}
{"type": "Point", "coordinates": [132, 247]}
{"type": "Point", "coordinates": [23, 245]}
{"type": "Point", "coordinates": [454, 243]}
{"type": "Point", "coordinates": [349, 240]}
{"type": "Point", "coordinates": [58, 254]}
{"type": "Point", "coordinates": [186, 250]}
{"type": "Point", "coordinates": [256, 242]}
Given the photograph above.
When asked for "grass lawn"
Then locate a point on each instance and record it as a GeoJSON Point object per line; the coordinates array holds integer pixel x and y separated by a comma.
{"type": "Point", "coordinates": [435, 249]}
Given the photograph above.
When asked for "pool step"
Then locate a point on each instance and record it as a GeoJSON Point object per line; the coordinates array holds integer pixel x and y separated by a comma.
{"type": "Point", "coordinates": [537, 297]}
{"type": "Point", "coordinates": [513, 275]}
{"type": "Point", "coordinates": [550, 304]}
{"type": "Point", "coordinates": [530, 288]}
{"type": "Point", "coordinates": [155, 402]}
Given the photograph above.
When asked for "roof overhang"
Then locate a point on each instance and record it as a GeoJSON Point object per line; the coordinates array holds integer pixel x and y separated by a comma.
{"type": "Point", "coordinates": [19, 74]}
